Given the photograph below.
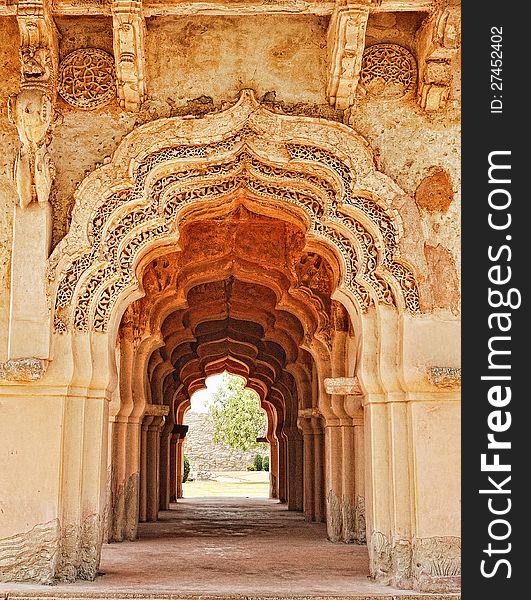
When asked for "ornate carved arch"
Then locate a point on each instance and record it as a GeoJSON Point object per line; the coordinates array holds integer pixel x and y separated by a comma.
{"type": "Point", "coordinates": [316, 169]}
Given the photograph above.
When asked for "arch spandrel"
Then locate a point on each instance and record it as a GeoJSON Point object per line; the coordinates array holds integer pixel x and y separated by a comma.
{"type": "Point", "coordinates": [163, 169]}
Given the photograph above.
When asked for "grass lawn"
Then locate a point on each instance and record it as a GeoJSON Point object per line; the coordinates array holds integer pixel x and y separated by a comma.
{"type": "Point", "coordinates": [249, 484]}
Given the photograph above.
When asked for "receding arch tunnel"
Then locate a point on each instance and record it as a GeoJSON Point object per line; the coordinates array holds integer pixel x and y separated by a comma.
{"type": "Point", "coordinates": [242, 292]}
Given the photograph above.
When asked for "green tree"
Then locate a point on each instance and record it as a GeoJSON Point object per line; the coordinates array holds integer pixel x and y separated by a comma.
{"type": "Point", "coordinates": [235, 414]}
{"type": "Point", "coordinates": [257, 462]}
{"type": "Point", "coordinates": [186, 469]}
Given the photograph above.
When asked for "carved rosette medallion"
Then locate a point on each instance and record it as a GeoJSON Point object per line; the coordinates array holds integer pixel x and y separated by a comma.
{"type": "Point", "coordinates": [388, 71]}
{"type": "Point", "coordinates": [87, 78]}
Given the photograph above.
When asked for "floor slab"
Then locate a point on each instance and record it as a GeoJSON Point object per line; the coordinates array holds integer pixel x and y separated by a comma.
{"type": "Point", "coordinates": [227, 547]}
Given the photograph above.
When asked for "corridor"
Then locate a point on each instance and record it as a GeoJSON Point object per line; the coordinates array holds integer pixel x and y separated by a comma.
{"type": "Point", "coordinates": [226, 547]}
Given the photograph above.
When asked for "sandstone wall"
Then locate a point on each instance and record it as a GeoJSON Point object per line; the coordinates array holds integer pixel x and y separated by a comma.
{"type": "Point", "coordinates": [205, 455]}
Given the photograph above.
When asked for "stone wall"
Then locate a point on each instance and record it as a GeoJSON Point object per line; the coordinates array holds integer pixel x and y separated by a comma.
{"type": "Point", "coordinates": [205, 455]}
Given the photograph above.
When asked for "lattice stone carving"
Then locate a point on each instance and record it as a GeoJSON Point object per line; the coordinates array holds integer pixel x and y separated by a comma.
{"type": "Point", "coordinates": [87, 78]}
{"type": "Point", "coordinates": [388, 71]}
{"type": "Point", "coordinates": [311, 179]}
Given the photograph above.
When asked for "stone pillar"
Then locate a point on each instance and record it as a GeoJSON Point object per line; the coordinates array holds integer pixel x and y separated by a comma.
{"type": "Point", "coordinates": [348, 497]}
{"type": "Point", "coordinates": [345, 404]}
{"type": "Point", "coordinates": [334, 480]}
{"type": "Point", "coordinates": [29, 323]}
{"type": "Point", "coordinates": [164, 477]}
{"type": "Point", "coordinates": [319, 478]}
{"type": "Point", "coordinates": [294, 481]}
{"type": "Point", "coordinates": [412, 457]}
{"type": "Point", "coordinates": [180, 466]}
{"type": "Point", "coordinates": [143, 501]}
{"type": "Point", "coordinates": [282, 468]}
{"type": "Point", "coordinates": [118, 458]}
{"type": "Point", "coordinates": [273, 467]}
{"type": "Point", "coordinates": [359, 485]}
{"type": "Point", "coordinates": [176, 461]}
{"type": "Point", "coordinates": [309, 468]}
{"type": "Point", "coordinates": [153, 467]}
{"type": "Point", "coordinates": [173, 467]}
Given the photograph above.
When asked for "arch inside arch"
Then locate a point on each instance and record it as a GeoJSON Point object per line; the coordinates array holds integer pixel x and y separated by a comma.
{"type": "Point", "coordinates": [141, 198]}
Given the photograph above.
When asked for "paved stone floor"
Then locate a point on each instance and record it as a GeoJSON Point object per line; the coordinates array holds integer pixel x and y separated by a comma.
{"type": "Point", "coordinates": [226, 547]}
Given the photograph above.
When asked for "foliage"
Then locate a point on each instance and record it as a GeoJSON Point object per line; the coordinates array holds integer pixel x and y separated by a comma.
{"type": "Point", "coordinates": [265, 463]}
{"type": "Point", "coordinates": [257, 462]}
{"type": "Point", "coordinates": [236, 416]}
{"type": "Point", "coordinates": [186, 469]}
{"type": "Point", "coordinates": [251, 468]}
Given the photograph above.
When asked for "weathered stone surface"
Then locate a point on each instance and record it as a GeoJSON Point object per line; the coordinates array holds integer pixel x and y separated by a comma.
{"type": "Point", "coordinates": [23, 369]}
{"type": "Point", "coordinates": [445, 377]}
{"type": "Point", "coordinates": [435, 192]}
{"type": "Point", "coordinates": [30, 556]}
{"type": "Point", "coordinates": [437, 563]}
{"type": "Point", "coordinates": [343, 385]}
{"type": "Point", "coordinates": [443, 278]}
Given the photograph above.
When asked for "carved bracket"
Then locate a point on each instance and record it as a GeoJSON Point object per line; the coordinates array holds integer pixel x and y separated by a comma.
{"type": "Point", "coordinates": [437, 45]}
{"type": "Point", "coordinates": [129, 31]}
{"type": "Point", "coordinates": [32, 109]}
{"type": "Point", "coordinates": [346, 42]}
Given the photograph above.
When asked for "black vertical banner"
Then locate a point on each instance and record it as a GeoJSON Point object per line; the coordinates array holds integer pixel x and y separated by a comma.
{"type": "Point", "coordinates": [496, 324]}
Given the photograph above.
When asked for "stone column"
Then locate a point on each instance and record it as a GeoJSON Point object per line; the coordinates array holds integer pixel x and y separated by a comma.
{"type": "Point", "coordinates": [348, 498]}
{"type": "Point", "coordinates": [29, 324]}
{"type": "Point", "coordinates": [32, 112]}
{"type": "Point", "coordinates": [359, 486]}
{"type": "Point", "coordinates": [282, 468]}
{"type": "Point", "coordinates": [273, 467]}
{"type": "Point", "coordinates": [143, 501]}
{"type": "Point", "coordinates": [309, 467]}
{"type": "Point", "coordinates": [164, 471]}
{"type": "Point", "coordinates": [118, 458]}
{"type": "Point", "coordinates": [153, 467]}
{"type": "Point", "coordinates": [173, 467]}
{"type": "Point", "coordinates": [176, 461]}
{"type": "Point", "coordinates": [334, 480]}
{"type": "Point", "coordinates": [293, 458]}
{"type": "Point", "coordinates": [319, 478]}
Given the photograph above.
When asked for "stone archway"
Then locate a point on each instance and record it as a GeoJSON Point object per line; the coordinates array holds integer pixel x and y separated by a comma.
{"type": "Point", "coordinates": [321, 178]}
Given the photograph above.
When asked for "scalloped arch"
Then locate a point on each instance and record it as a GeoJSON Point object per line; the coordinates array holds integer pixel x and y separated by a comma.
{"type": "Point", "coordinates": [319, 168]}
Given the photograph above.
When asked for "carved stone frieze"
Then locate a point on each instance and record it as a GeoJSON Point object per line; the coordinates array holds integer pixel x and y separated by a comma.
{"type": "Point", "coordinates": [343, 386]}
{"type": "Point", "coordinates": [157, 410]}
{"type": "Point", "coordinates": [436, 563]}
{"type": "Point", "coordinates": [38, 46]}
{"type": "Point", "coordinates": [32, 555]}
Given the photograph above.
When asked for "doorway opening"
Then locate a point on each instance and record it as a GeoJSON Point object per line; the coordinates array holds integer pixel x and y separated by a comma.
{"type": "Point", "coordinates": [226, 451]}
